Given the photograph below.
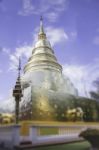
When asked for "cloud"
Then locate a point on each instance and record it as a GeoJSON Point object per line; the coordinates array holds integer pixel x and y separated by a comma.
{"type": "Point", "coordinates": [58, 2]}
{"type": "Point", "coordinates": [22, 52]}
{"type": "Point", "coordinates": [27, 9]}
{"type": "Point", "coordinates": [54, 8]}
{"type": "Point", "coordinates": [96, 40]}
{"type": "Point", "coordinates": [4, 50]}
{"type": "Point", "coordinates": [50, 9]}
{"type": "Point", "coordinates": [7, 105]}
{"type": "Point", "coordinates": [1, 96]}
{"type": "Point", "coordinates": [52, 16]}
{"type": "Point", "coordinates": [82, 76]}
{"type": "Point", "coordinates": [54, 35]}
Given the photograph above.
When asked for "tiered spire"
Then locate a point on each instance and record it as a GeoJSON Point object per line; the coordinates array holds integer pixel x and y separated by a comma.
{"type": "Point", "coordinates": [43, 57]}
{"type": "Point", "coordinates": [41, 26]}
{"type": "Point", "coordinates": [19, 69]}
{"type": "Point", "coordinates": [41, 34]}
{"type": "Point", "coordinates": [17, 93]}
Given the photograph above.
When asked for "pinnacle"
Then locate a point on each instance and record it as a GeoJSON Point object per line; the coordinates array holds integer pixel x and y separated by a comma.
{"type": "Point", "coordinates": [41, 34]}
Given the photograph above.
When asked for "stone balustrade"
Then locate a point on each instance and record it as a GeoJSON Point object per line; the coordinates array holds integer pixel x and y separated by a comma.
{"type": "Point", "coordinates": [9, 135]}
{"type": "Point", "coordinates": [64, 133]}
{"type": "Point", "coordinates": [41, 134]}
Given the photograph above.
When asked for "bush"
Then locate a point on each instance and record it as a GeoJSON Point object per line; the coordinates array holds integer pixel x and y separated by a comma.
{"type": "Point", "coordinates": [89, 132]}
{"type": "Point", "coordinates": [92, 136]}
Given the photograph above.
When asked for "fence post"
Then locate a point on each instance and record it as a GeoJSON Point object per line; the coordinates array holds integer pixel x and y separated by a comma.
{"type": "Point", "coordinates": [16, 135]}
{"type": "Point", "coordinates": [33, 133]}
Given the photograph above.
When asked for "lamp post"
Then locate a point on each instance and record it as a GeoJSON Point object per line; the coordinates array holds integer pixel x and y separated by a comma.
{"type": "Point", "coordinates": [17, 93]}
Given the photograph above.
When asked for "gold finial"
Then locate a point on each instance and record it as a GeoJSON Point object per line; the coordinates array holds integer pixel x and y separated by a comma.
{"type": "Point", "coordinates": [41, 34]}
{"type": "Point", "coordinates": [41, 21]}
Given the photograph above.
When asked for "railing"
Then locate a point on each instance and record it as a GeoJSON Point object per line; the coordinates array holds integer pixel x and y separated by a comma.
{"type": "Point", "coordinates": [61, 134]}
{"type": "Point", "coordinates": [9, 135]}
{"type": "Point", "coordinates": [41, 134]}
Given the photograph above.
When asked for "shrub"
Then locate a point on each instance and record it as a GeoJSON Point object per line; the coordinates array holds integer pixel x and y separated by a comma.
{"type": "Point", "coordinates": [89, 132]}
{"type": "Point", "coordinates": [92, 136]}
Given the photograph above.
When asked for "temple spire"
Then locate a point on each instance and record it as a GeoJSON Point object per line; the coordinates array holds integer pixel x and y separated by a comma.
{"type": "Point", "coordinates": [19, 68]}
{"type": "Point", "coordinates": [17, 93]}
{"type": "Point", "coordinates": [41, 25]}
{"type": "Point", "coordinates": [41, 34]}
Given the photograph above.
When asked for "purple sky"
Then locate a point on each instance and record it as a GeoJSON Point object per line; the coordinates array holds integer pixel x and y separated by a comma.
{"type": "Point", "coordinates": [72, 27]}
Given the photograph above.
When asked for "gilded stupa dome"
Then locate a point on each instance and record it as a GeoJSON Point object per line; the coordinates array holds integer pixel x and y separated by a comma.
{"type": "Point", "coordinates": [43, 57]}
{"type": "Point", "coordinates": [44, 82]}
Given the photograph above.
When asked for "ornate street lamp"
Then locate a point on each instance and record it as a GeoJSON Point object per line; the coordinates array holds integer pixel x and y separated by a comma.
{"type": "Point", "coordinates": [17, 93]}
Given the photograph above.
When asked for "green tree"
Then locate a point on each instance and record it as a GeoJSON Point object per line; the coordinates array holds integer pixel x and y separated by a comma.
{"type": "Point", "coordinates": [95, 94]}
